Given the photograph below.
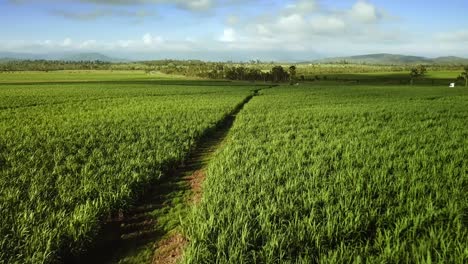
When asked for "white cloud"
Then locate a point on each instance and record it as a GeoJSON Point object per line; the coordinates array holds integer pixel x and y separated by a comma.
{"type": "Point", "coordinates": [67, 42]}
{"type": "Point", "coordinates": [297, 27]}
{"type": "Point", "coordinates": [100, 13]}
{"type": "Point", "coordinates": [124, 43]}
{"type": "Point", "coordinates": [47, 42]}
{"type": "Point", "coordinates": [291, 23]}
{"type": "Point", "coordinates": [364, 12]}
{"type": "Point", "coordinates": [302, 7]}
{"type": "Point", "coordinates": [303, 26]}
{"type": "Point", "coordinates": [306, 21]}
{"type": "Point", "coordinates": [327, 24]}
{"type": "Point", "coordinates": [150, 40]}
{"type": "Point", "coordinates": [147, 39]}
{"type": "Point", "coordinates": [460, 36]}
{"type": "Point", "coordinates": [232, 20]}
{"type": "Point", "coordinates": [196, 4]}
{"type": "Point", "coordinates": [263, 30]}
{"type": "Point", "coordinates": [88, 44]}
{"type": "Point", "coordinates": [193, 5]}
{"type": "Point", "coordinates": [229, 35]}
{"type": "Point", "coordinates": [147, 43]}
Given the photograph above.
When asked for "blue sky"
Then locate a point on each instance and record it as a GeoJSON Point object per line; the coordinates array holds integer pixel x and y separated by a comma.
{"type": "Point", "coordinates": [235, 29]}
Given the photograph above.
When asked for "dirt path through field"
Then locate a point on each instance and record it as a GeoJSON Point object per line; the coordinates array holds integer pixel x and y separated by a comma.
{"type": "Point", "coordinates": [150, 232]}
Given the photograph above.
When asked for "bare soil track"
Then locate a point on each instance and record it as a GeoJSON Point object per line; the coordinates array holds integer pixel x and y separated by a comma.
{"type": "Point", "coordinates": [140, 234]}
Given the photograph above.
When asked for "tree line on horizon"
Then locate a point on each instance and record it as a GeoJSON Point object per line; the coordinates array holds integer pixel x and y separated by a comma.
{"type": "Point", "coordinates": [248, 71]}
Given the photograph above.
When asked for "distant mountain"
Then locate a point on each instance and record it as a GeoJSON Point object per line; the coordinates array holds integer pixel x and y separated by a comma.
{"type": "Point", "coordinates": [10, 56]}
{"type": "Point", "coordinates": [90, 57]}
{"type": "Point", "coordinates": [382, 58]}
{"type": "Point", "coordinates": [394, 59]}
{"type": "Point", "coordinates": [450, 60]}
{"type": "Point", "coordinates": [4, 56]}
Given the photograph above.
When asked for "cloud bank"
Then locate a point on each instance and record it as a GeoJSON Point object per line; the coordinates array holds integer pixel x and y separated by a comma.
{"type": "Point", "coordinates": [303, 27]}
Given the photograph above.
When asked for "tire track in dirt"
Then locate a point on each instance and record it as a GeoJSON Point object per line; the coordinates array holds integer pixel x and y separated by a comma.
{"type": "Point", "coordinates": [170, 249]}
{"type": "Point", "coordinates": [150, 231]}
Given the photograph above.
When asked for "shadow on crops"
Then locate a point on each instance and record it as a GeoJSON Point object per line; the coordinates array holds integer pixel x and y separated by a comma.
{"type": "Point", "coordinates": [126, 233]}
{"type": "Point", "coordinates": [377, 79]}
{"type": "Point", "coordinates": [391, 78]}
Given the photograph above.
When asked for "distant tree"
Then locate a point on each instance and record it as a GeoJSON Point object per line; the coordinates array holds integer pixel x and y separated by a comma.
{"type": "Point", "coordinates": [278, 74]}
{"type": "Point", "coordinates": [417, 72]}
{"type": "Point", "coordinates": [464, 75]}
{"type": "Point", "coordinates": [422, 70]}
{"type": "Point", "coordinates": [231, 74]}
{"type": "Point", "coordinates": [253, 74]}
{"type": "Point", "coordinates": [241, 72]}
{"type": "Point", "coordinates": [292, 75]}
{"type": "Point", "coordinates": [213, 74]}
{"type": "Point", "coordinates": [414, 73]}
{"type": "Point", "coordinates": [266, 76]}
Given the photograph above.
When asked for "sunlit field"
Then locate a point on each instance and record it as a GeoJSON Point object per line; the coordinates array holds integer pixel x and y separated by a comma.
{"type": "Point", "coordinates": [358, 174]}
{"type": "Point", "coordinates": [233, 132]}
{"type": "Point", "coordinates": [73, 153]}
{"type": "Point", "coordinates": [326, 171]}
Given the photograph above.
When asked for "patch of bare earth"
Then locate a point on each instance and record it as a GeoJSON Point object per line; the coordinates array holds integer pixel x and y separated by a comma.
{"type": "Point", "coordinates": [170, 250]}
{"type": "Point", "coordinates": [196, 181]}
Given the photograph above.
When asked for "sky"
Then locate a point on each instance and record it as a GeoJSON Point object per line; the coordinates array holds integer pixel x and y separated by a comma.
{"type": "Point", "coordinates": [235, 29]}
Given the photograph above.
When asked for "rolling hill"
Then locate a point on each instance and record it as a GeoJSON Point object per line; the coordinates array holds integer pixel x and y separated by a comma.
{"type": "Point", "coordinates": [92, 56]}
{"type": "Point", "coordinates": [393, 59]}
